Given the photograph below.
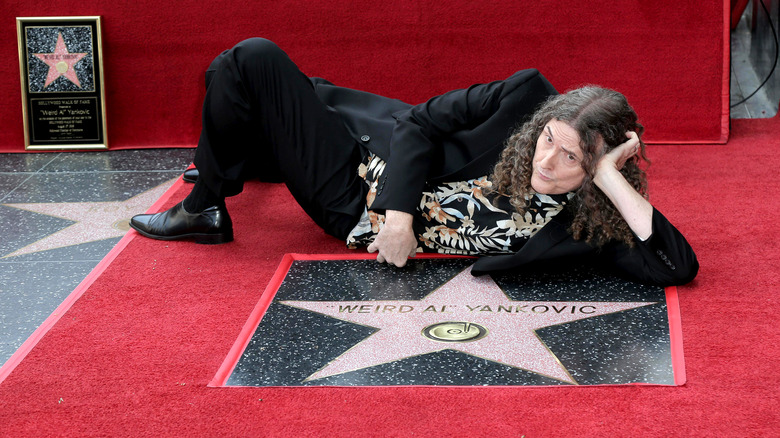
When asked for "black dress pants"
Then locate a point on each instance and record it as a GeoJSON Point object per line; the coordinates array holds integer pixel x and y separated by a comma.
{"type": "Point", "coordinates": [262, 118]}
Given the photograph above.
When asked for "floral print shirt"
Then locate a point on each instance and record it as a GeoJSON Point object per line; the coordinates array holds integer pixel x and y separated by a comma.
{"type": "Point", "coordinates": [458, 218]}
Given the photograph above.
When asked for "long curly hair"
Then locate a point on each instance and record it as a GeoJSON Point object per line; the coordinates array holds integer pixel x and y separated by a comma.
{"type": "Point", "coordinates": [596, 114]}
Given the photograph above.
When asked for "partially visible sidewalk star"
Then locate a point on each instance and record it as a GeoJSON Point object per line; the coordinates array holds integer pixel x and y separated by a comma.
{"type": "Point", "coordinates": [93, 220]}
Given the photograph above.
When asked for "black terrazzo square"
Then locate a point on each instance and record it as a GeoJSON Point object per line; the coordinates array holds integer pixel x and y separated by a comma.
{"type": "Point", "coordinates": [31, 162]}
{"type": "Point", "coordinates": [136, 160]}
{"type": "Point", "coordinates": [9, 182]}
{"type": "Point", "coordinates": [360, 323]}
{"type": "Point", "coordinates": [51, 187]}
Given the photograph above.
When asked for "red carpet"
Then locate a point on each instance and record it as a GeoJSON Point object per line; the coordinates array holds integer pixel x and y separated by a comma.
{"type": "Point", "coordinates": [669, 57]}
{"type": "Point", "coordinates": [134, 355]}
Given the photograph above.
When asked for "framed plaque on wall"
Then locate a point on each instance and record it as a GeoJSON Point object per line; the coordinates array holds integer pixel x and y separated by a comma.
{"type": "Point", "coordinates": [63, 100]}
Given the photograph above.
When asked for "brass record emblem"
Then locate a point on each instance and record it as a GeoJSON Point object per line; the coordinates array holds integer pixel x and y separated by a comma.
{"type": "Point", "coordinates": [455, 331]}
{"type": "Point", "coordinates": [122, 225]}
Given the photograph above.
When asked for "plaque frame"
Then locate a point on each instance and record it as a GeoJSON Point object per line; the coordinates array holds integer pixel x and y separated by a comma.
{"type": "Point", "coordinates": [58, 112]}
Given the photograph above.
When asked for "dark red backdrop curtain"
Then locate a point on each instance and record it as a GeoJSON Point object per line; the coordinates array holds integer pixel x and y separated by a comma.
{"type": "Point", "coordinates": [669, 57]}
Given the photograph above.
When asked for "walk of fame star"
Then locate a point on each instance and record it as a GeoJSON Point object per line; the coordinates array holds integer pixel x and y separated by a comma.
{"type": "Point", "coordinates": [61, 63]}
{"type": "Point", "coordinates": [462, 305]}
{"type": "Point", "coordinates": [353, 322]}
{"type": "Point", "coordinates": [92, 220]}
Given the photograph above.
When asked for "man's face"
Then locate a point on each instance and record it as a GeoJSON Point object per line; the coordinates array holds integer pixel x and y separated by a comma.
{"type": "Point", "coordinates": [557, 162]}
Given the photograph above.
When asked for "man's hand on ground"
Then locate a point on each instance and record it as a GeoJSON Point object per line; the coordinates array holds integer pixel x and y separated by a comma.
{"type": "Point", "coordinates": [395, 242]}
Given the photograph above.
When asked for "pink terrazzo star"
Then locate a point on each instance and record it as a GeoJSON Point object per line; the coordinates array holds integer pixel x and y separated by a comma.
{"type": "Point", "coordinates": [61, 63]}
{"type": "Point", "coordinates": [93, 221]}
{"type": "Point", "coordinates": [483, 322]}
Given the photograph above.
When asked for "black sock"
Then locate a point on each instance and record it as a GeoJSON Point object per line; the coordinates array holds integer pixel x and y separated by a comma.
{"type": "Point", "coordinates": [201, 198]}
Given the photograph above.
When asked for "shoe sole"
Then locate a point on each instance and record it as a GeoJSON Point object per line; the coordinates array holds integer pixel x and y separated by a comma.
{"type": "Point", "coordinates": [205, 239]}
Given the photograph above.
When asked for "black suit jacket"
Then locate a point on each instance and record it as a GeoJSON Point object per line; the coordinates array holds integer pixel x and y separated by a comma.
{"type": "Point", "coordinates": [458, 136]}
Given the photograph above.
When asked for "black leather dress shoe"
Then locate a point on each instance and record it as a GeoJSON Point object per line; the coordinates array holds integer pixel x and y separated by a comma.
{"type": "Point", "coordinates": [190, 175]}
{"type": "Point", "coordinates": [212, 226]}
